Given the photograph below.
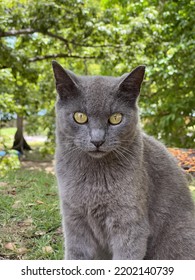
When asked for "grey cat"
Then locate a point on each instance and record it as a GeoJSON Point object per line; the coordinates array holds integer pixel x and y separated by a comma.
{"type": "Point", "coordinates": [122, 194]}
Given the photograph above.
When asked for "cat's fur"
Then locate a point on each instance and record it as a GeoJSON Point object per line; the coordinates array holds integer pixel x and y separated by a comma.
{"type": "Point", "coordinates": [129, 201]}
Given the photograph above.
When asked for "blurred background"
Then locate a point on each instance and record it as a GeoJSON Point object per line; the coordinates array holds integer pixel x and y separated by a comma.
{"type": "Point", "coordinates": [91, 37]}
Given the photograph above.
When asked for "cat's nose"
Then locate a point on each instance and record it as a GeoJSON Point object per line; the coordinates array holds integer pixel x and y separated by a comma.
{"type": "Point", "coordinates": [97, 143]}
{"type": "Point", "coordinates": [97, 137]}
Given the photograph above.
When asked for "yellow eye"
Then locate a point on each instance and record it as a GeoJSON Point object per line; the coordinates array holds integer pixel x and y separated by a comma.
{"type": "Point", "coordinates": [80, 117]}
{"type": "Point", "coordinates": [116, 118]}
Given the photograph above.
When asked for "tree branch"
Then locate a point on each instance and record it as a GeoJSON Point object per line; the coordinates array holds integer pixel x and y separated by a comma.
{"type": "Point", "coordinates": [55, 36]}
{"type": "Point", "coordinates": [16, 32]}
{"type": "Point", "coordinates": [59, 38]}
{"type": "Point", "coordinates": [77, 44]}
{"type": "Point", "coordinates": [3, 67]}
{"type": "Point", "coordinates": [49, 56]}
{"type": "Point", "coordinates": [50, 34]}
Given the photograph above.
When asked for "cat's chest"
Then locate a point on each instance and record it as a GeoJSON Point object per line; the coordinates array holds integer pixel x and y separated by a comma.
{"type": "Point", "coordinates": [94, 195]}
{"type": "Point", "coordinates": [94, 200]}
{"type": "Point", "coordinates": [105, 186]}
{"type": "Point", "coordinates": [90, 185]}
{"type": "Point", "coordinates": [92, 188]}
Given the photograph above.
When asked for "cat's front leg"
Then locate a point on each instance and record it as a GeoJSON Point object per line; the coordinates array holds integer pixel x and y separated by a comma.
{"type": "Point", "coordinates": [79, 242]}
{"type": "Point", "coordinates": [129, 241]}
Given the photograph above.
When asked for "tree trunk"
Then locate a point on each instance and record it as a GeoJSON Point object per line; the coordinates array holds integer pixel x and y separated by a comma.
{"type": "Point", "coordinates": [20, 143]}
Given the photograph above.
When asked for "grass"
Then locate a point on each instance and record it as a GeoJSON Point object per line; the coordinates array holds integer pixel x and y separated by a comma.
{"type": "Point", "coordinates": [7, 137]}
{"type": "Point", "coordinates": [30, 222]}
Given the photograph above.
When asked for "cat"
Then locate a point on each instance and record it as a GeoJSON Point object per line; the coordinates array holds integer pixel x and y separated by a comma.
{"type": "Point", "coordinates": [122, 194]}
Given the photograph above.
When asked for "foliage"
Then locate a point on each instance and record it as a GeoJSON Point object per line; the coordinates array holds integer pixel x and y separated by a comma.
{"type": "Point", "coordinates": [7, 163]}
{"type": "Point", "coordinates": [9, 159]}
{"type": "Point", "coordinates": [101, 37]}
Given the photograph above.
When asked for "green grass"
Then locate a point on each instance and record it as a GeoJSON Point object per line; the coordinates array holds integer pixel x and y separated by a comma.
{"type": "Point", "coordinates": [7, 138]}
{"type": "Point", "coordinates": [30, 222]}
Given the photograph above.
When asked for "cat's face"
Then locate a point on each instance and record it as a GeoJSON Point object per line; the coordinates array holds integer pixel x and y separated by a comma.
{"type": "Point", "coordinates": [97, 115]}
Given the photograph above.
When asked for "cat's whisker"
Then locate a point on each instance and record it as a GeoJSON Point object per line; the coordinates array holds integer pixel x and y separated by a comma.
{"type": "Point", "coordinates": [72, 151]}
{"type": "Point", "coordinates": [121, 154]}
{"type": "Point", "coordinates": [130, 155]}
{"type": "Point", "coordinates": [67, 143]}
{"type": "Point", "coordinates": [71, 142]}
{"type": "Point", "coordinates": [127, 151]}
{"type": "Point", "coordinates": [121, 142]}
{"type": "Point", "coordinates": [122, 148]}
{"type": "Point", "coordinates": [118, 157]}
{"type": "Point", "coordinates": [69, 136]}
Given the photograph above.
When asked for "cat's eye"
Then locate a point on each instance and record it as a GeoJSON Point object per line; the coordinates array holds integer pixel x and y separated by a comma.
{"type": "Point", "coordinates": [80, 118]}
{"type": "Point", "coordinates": [115, 118]}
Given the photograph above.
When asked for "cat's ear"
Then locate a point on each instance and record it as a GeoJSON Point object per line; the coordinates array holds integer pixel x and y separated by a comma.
{"type": "Point", "coordinates": [65, 81]}
{"type": "Point", "coordinates": [131, 83]}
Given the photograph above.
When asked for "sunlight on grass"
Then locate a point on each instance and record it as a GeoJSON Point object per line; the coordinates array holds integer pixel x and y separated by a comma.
{"type": "Point", "coordinates": [9, 131]}
{"type": "Point", "coordinates": [7, 137]}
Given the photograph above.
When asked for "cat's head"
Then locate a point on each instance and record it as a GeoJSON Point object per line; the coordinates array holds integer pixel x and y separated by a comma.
{"type": "Point", "coordinates": [97, 114]}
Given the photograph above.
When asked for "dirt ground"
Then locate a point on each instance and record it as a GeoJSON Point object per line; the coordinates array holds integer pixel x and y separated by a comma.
{"type": "Point", "coordinates": [47, 166]}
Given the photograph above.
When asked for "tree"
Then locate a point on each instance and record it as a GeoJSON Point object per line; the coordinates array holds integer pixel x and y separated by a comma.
{"type": "Point", "coordinates": [171, 74]}
{"type": "Point", "coordinates": [37, 37]}
{"type": "Point", "coordinates": [102, 37]}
